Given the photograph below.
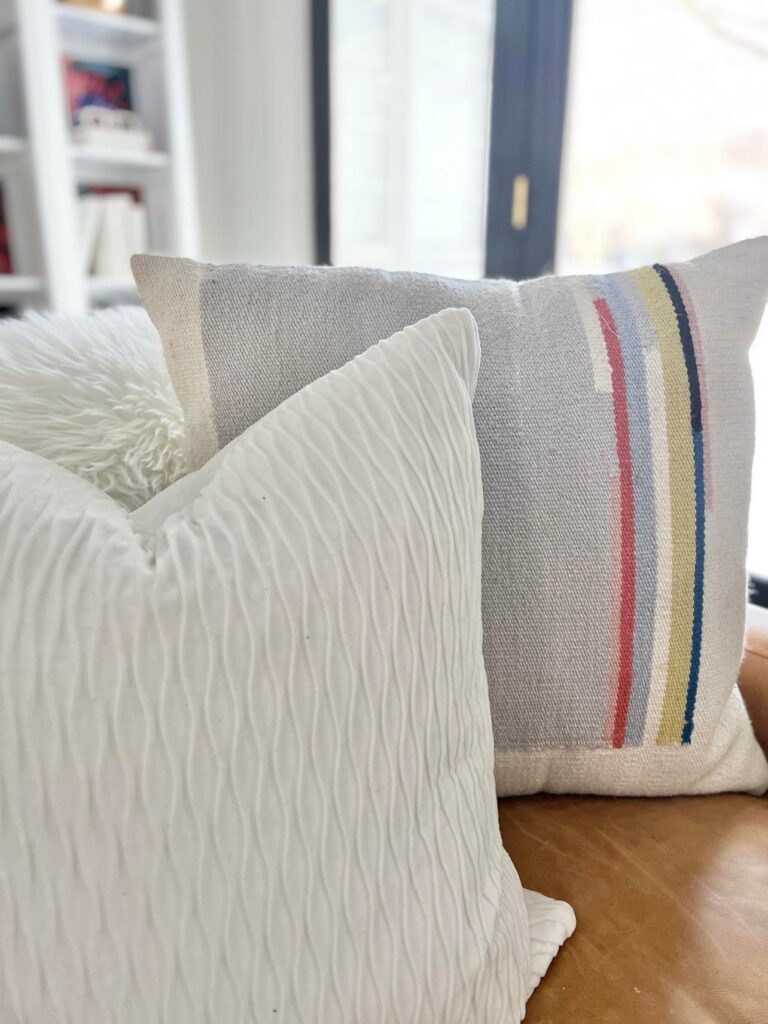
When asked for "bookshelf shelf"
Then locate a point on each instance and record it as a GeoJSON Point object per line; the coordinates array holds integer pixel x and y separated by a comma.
{"type": "Point", "coordinates": [12, 148]}
{"type": "Point", "coordinates": [97, 159]}
{"type": "Point", "coordinates": [123, 34]}
{"type": "Point", "coordinates": [107, 290]}
{"type": "Point", "coordinates": [16, 287]}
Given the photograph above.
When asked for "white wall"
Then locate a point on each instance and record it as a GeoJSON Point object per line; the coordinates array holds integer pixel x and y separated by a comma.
{"type": "Point", "coordinates": [250, 80]}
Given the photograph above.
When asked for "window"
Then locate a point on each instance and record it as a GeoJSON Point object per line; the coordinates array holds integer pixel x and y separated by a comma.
{"type": "Point", "coordinates": [410, 90]}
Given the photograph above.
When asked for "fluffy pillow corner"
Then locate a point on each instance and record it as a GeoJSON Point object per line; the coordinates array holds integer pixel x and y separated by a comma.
{"type": "Point", "coordinates": [615, 421]}
{"type": "Point", "coordinates": [92, 393]}
{"type": "Point", "coordinates": [246, 749]}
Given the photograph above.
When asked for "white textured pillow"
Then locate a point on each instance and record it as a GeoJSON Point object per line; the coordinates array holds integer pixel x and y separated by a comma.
{"type": "Point", "coordinates": [245, 743]}
{"type": "Point", "coordinates": [92, 393]}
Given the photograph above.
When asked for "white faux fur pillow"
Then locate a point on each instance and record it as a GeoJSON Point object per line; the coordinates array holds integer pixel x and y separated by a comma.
{"type": "Point", "coordinates": [91, 393]}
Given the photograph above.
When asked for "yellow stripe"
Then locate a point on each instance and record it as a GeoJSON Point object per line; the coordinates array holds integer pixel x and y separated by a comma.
{"type": "Point", "coordinates": [681, 504]}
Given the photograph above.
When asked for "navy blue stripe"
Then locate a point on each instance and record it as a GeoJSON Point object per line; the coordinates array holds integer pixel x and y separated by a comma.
{"type": "Point", "coordinates": [686, 339]}
{"type": "Point", "coordinates": [689, 355]}
{"type": "Point", "coordinates": [698, 589]}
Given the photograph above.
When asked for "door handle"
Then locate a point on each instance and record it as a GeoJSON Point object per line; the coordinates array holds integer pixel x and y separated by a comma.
{"type": "Point", "coordinates": [518, 214]}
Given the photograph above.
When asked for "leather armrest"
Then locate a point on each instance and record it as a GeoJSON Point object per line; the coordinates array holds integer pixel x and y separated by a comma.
{"type": "Point", "coordinates": [753, 676]}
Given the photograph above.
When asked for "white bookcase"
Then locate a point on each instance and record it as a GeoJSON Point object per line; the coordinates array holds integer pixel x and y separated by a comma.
{"type": "Point", "coordinates": [41, 168]}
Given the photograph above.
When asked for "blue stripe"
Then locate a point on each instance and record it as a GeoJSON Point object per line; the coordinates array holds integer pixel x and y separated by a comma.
{"type": "Point", "coordinates": [689, 355]}
{"type": "Point", "coordinates": [632, 344]}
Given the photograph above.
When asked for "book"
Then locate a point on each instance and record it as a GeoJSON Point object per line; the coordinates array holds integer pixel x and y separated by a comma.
{"type": "Point", "coordinates": [6, 263]}
{"type": "Point", "coordinates": [113, 226]}
{"type": "Point", "coordinates": [90, 210]}
{"type": "Point", "coordinates": [121, 129]}
{"type": "Point", "coordinates": [113, 252]}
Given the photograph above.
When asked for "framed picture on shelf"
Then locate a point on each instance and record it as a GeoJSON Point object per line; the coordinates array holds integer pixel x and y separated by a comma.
{"type": "Point", "coordinates": [94, 84]}
{"type": "Point", "coordinates": [6, 263]}
{"type": "Point", "coordinates": [101, 106]}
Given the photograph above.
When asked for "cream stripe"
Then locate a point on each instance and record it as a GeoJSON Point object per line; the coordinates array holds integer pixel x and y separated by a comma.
{"type": "Point", "coordinates": [657, 415]}
{"type": "Point", "coordinates": [170, 291]}
{"type": "Point", "coordinates": [204, 438]}
{"type": "Point", "coordinates": [600, 366]}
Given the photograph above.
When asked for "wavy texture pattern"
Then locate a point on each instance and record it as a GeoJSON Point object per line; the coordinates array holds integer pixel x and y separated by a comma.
{"type": "Point", "coordinates": [550, 923]}
{"type": "Point", "coordinates": [245, 743]}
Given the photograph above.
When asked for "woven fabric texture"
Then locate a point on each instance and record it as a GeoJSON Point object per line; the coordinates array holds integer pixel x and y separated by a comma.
{"type": "Point", "coordinates": [615, 422]}
{"type": "Point", "coordinates": [246, 761]}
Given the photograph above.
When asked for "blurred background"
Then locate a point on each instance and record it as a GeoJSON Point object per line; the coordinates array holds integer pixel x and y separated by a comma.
{"type": "Point", "coordinates": [464, 137]}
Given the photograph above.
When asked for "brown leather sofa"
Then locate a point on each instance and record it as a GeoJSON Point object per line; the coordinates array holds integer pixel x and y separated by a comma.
{"type": "Point", "coordinates": [671, 894]}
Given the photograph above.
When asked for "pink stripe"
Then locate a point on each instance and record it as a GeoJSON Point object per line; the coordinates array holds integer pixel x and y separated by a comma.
{"type": "Point", "coordinates": [615, 605]}
{"type": "Point", "coordinates": [627, 506]}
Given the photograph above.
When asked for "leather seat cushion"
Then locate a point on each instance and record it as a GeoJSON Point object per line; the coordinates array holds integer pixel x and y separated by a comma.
{"type": "Point", "coordinates": [671, 898]}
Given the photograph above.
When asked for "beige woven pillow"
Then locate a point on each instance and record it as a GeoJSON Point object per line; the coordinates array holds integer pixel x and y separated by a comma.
{"type": "Point", "coordinates": [615, 423]}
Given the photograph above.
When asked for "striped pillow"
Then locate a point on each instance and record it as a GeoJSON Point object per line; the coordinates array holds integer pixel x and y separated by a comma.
{"type": "Point", "coordinates": [615, 422]}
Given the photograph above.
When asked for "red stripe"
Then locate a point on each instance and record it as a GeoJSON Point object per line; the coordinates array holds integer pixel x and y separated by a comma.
{"type": "Point", "coordinates": [627, 507]}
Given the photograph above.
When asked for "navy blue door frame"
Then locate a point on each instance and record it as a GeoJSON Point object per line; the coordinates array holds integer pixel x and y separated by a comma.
{"type": "Point", "coordinates": [530, 77]}
{"type": "Point", "coordinates": [530, 81]}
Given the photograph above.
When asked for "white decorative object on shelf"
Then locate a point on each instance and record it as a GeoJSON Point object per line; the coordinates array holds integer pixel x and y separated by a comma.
{"type": "Point", "coordinates": [121, 129]}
